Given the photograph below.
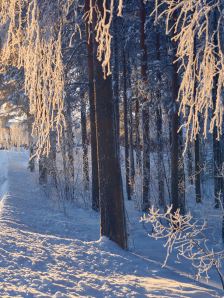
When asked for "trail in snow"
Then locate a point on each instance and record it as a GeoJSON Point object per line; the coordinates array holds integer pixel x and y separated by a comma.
{"type": "Point", "coordinates": [46, 253]}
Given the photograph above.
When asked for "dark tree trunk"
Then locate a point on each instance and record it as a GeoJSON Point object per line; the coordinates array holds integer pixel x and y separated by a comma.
{"type": "Point", "coordinates": [94, 158]}
{"type": "Point", "coordinates": [197, 173]}
{"type": "Point", "coordinates": [51, 159]}
{"type": "Point", "coordinates": [116, 76]}
{"type": "Point", "coordinates": [190, 164]}
{"type": "Point", "coordinates": [160, 157]}
{"type": "Point", "coordinates": [217, 147]}
{"type": "Point", "coordinates": [67, 150]}
{"type": "Point", "coordinates": [146, 158]}
{"type": "Point", "coordinates": [132, 161]}
{"type": "Point", "coordinates": [181, 173]}
{"type": "Point", "coordinates": [113, 223]}
{"type": "Point", "coordinates": [85, 160]}
{"type": "Point", "coordinates": [43, 170]}
{"type": "Point", "coordinates": [130, 122]}
{"type": "Point", "coordinates": [126, 131]}
{"type": "Point", "coordinates": [69, 154]}
{"type": "Point", "coordinates": [31, 165]}
{"type": "Point", "coordinates": [145, 113]}
{"type": "Point", "coordinates": [159, 126]}
{"type": "Point", "coordinates": [31, 160]}
{"type": "Point", "coordinates": [174, 155]}
{"type": "Point", "coordinates": [177, 162]}
{"type": "Point", "coordinates": [218, 179]}
{"type": "Point", "coordinates": [111, 194]}
{"type": "Point", "coordinates": [65, 167]}
{"type": "Point", "coordinates": [137, 136]}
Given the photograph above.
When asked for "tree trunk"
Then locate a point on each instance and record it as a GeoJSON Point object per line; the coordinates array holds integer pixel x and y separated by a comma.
{"type": "Point", "coordinates": [42, 170]}
{"type": "Point", "coordinates": [94, 158]}
{"type": "Point", "coordinates": [159, 126]}
{"type": "Point", "coordinates": [116, 76]}
{"type": "Point", "coordinates": [132, 160]}
{"type": "Point", "coordinates": [217, 148]}
{"type": "Point", "coordinates": [126, 132]}
{"type": "Point", "coordinates": [190, 165]}
{"type": "Point", "coordinates": [197, 173]}
{"type": "Point", "coordinates": [137, 137]}
{"type": "Point", "coordinates": [113, 223]}
{"type": "Point", "coordinates": [85, 160]}
{"type": "Point", "coordinates": [31, 160]}
{"type": "Point", "coordinates": [31, 165]}
{"type": "Point", "coordinates": [177, 162]}
{"type": "Point", "coordinates": [160, 157]}
{"type": "Point", "coordinates": [65, 167]}
{"type": "Point", "coordinates": [218, 179]}
{"type": "Point", "coordinates": [51, 159]}
{"type": "Point", "coordinates": [70, 152]}
{"type": "Point", "coordinates": [146, 158]}
{"type": "Point", "coordinates": [181, 173]}
{"type": "Point", "coordinates": [145, 114]}
{"type": "Point", "coordinates": [174, 156]}
{"type": "Point", "coordinates": [130, 122]}
{"type": "Point", "coordinates": [67, 152]}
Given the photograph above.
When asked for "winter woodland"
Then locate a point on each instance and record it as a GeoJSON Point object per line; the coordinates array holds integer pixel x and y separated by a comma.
{"type": "Point", "coordinates": [111, 148]}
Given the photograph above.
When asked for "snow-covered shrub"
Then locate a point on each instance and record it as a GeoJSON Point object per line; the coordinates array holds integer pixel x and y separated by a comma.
{"type": "Point", "coordinates": [187, 238]}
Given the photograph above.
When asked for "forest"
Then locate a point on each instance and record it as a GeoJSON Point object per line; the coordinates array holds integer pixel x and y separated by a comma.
{"type": "Point", "coordinates": [111, 148]}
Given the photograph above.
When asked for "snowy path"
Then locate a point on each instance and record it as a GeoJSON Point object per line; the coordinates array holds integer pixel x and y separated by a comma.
{"type": "Point", "coordinates": [44, 253]}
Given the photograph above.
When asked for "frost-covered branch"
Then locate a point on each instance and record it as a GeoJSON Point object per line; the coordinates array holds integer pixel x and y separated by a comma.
{"type": "Point", "coordinates": [196, 27]}
{"type": "Point", "coordinates": [32, 40]}
{"type": "Point", "coordinates": [186, 236]}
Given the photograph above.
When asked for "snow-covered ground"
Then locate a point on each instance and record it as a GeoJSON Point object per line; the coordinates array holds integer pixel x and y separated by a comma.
{"type": "Point", "coordinates": [50, 251]}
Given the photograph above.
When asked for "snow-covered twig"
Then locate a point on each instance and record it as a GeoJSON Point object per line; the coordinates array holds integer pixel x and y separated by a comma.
{"type": "Point", "coordinates": [187, 238]}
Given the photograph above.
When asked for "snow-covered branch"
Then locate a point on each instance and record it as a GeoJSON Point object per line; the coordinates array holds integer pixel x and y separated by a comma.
{"type": "Point", "coordinates": [186, 236]}
{"type": "Point", "coordinates": [196, 28]}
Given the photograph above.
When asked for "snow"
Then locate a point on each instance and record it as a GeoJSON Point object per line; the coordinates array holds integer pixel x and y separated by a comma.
{"type": "Point", "coordinates": [50, 250]}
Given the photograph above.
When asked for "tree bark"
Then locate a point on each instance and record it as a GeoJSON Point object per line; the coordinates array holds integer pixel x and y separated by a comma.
{"type": "Point", "coordinates": [177, 162]}
{"type": "Point", "coordinates": [85, 159]}
{"type": "Point", "coordinates": [51, 158]}
{"type": "Point", "coordinates": [197, 170]}
{"type": "Point", "coordinates": [137, 137]}
{"type": "Point", "coordinates": [146, 159]}
{"type": "Point", "coordinates": [160, 157]}
{"type": "Point", "coordinates": [132, 160]}
{"type": "Point", "coordinates": [217, 147]}
{"type": "Point", "coordinates": [113, 223]}
{"type": "Point", "coordinates": [31, 165]}
{"type": "Point", "coordinates": [68, 151]}
{"type": "Point", "coordinates": [94, 158]}
{"type": "Point", "coordinates": [174, 157]}
{"type": "Point", "coordinates": [190, 165]}
{"type": "Point", "coordinates": [126, 130]}
{"type": "Point", "coordinates": [145, 114]}
{"type": "Point", "coordinates": [116, 76]}
{"type": "Point", "coordinates": [159, 126]}
{"type": "Point", "coordinates": [42, 170]}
